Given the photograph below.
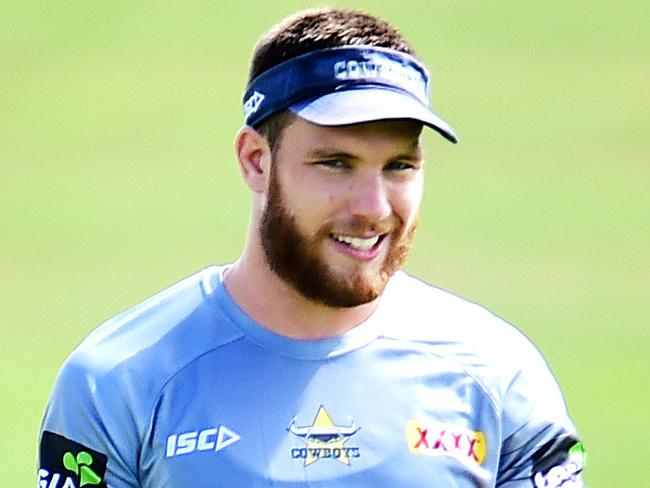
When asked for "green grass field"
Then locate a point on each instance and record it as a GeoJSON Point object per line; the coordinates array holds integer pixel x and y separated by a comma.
{"type": "Point", "coordinates": [117, 178]}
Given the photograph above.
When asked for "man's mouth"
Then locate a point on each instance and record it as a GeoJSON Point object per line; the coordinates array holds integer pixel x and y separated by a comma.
{"type": "Point", "coordinates": [359, 243]}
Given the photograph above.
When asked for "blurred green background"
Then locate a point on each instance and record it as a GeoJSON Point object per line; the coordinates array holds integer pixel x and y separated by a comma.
{"type": "Point", "coordinates": [118, 178]}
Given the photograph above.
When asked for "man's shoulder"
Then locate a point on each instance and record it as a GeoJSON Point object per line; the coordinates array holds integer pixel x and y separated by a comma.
{"type": "Point", "coordinates": [437, 313]}
{"type": "Point", "coordinates": [458, 330]}
{"type": "Point", "coordinates": [154, 339]}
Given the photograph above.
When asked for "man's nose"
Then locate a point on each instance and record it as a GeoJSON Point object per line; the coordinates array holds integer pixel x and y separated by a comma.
{"type": "Point", "coordinates": [369, 197]}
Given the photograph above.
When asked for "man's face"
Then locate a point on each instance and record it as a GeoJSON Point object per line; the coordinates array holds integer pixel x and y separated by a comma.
{"type": "Point", "coordinates": [342, 208]}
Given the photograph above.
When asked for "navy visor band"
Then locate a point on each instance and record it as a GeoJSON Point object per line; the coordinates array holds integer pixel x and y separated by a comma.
{"type": "Point", "coordinates": [345, 85]}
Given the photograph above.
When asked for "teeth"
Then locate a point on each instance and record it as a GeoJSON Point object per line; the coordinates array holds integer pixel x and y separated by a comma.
{"type": "Point", "coordinates": [357, 242]}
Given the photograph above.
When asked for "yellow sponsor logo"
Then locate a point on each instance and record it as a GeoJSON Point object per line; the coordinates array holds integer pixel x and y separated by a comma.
{"type": "Point", "coordinates": [439, 439]}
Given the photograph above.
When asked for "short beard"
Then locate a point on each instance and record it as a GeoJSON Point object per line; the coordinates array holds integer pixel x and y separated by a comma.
{"type": "Point", "coordinates": [297, 261]}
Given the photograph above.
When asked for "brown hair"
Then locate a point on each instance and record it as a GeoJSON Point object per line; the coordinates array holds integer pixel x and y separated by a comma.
{"type": "Point", "coordinates": [313, 29]}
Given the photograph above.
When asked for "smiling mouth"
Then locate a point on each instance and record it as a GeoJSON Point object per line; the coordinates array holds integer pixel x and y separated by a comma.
{"type": "Point", "coordinates": [359, 243]}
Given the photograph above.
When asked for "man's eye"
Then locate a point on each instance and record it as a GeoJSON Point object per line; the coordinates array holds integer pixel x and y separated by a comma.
{"type": "Point", "coordinates": [399, 166]}
{"type": "Point", "coordinates": [332, 163]}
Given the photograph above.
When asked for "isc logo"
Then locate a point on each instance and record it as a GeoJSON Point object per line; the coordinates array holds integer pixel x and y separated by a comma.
{"type": "Point", "coordinates": [212, 439]}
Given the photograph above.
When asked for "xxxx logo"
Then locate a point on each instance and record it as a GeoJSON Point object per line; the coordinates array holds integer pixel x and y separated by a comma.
{"type": "Point", "coordinates": [80, 465]}
{"type": "Point", "coordinates": [438, 439]}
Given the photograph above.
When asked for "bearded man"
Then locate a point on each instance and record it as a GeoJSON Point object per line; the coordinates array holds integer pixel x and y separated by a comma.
{"type": "Point", "coordinates": [313, 360]}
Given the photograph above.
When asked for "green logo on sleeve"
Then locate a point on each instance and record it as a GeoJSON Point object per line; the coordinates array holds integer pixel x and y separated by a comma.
{"type": "Point", "coordinates": [80, 465]}
{"type": "Point", "coordinates": [64, 463]}
{"type": "Point", "coordinates": [577, 454]}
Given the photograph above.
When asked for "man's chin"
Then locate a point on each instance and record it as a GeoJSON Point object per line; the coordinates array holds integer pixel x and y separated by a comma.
{"type": "Point", "coordinates": [345, 299]}
{"type": "Point", "coordinates": [352, 289]}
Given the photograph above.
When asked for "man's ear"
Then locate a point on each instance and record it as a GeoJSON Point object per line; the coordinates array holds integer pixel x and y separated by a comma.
{"type": "Point", "coordinates": [254, 156]}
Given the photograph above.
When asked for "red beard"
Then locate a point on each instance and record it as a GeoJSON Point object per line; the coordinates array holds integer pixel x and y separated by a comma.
{"type": "Point", "coordinates": [297, 261]}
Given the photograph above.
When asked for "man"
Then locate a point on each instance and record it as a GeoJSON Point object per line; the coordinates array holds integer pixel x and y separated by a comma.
{"type": "Point", "coordinates": [313, 361]}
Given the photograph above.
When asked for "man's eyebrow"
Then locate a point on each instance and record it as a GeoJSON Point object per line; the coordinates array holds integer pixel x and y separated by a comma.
{"type": "Point", "coordinates": [324, 152]}
{"type": "Point", "coordinates": [414, 155]}
{"type": "Point", "coordinates": [414, 152]}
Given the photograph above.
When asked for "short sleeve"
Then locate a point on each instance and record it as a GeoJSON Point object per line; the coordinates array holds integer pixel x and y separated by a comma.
{"type": "Point", "coordinates": [87, 437]}
{"type": "Point", "coordinates": [541, 447]}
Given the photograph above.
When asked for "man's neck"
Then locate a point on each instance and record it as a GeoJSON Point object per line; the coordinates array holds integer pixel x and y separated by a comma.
{"type": "Point", "coordinates": [274, 304]}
